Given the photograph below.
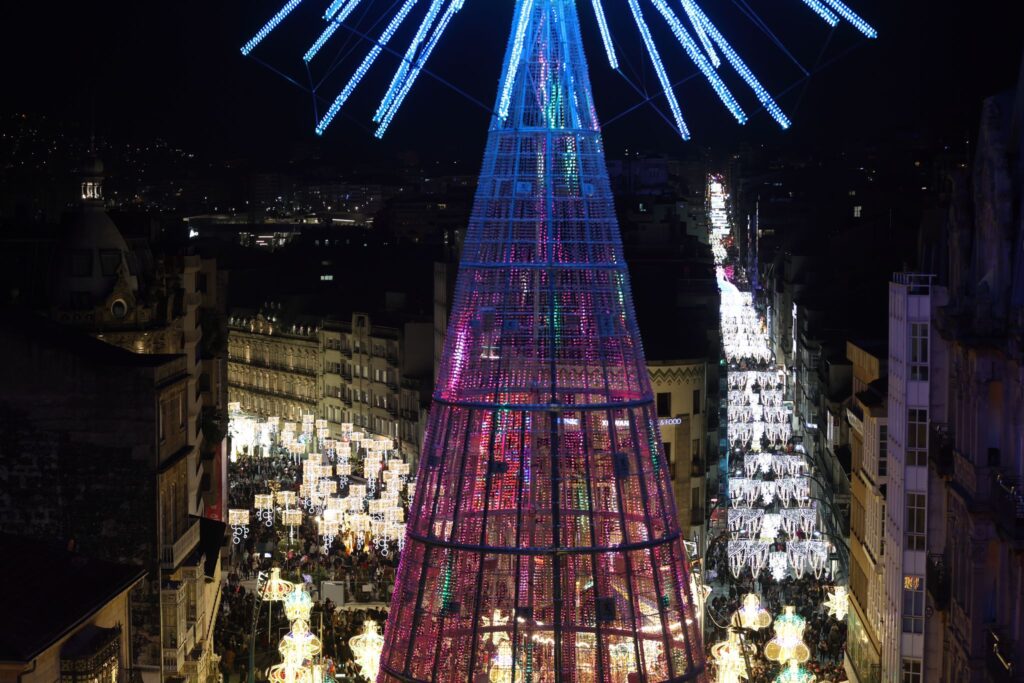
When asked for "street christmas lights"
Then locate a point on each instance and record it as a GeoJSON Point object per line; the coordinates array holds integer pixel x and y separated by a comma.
{"type": "Point", "coordinates": [366, 649]}
{"type": "Point", "coordinates": [788, 643]}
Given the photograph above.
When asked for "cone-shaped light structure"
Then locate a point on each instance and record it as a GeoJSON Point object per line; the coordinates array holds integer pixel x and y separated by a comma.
{"type": "Point", "coordinates": [543, 543]}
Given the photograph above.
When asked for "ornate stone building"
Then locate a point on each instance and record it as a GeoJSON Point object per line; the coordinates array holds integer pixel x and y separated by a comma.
{"type": "Point", "coordinates": [112, 412]}
{"type": "Point", "coordinates": [371, 375]}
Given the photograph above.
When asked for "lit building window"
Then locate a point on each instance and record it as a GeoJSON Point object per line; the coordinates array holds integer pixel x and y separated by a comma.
{"type": "Point", "coordinates": [857, 210]}
{"type": "Point", "coordinates": [913, 605]}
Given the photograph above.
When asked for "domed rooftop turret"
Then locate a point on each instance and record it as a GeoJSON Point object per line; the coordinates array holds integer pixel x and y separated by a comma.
{"type": "Point", "coordinates": [92, 255]}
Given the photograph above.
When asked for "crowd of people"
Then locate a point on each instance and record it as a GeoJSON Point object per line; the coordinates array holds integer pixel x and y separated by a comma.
{"type": "Point", "coordinates": [365, 579]}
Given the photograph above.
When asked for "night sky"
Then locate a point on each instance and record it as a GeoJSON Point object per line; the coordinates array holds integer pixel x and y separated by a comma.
{"type": "Point", "coordinates": [174, 70]}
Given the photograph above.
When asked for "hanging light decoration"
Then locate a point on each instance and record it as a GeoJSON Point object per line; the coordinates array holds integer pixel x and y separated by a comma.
{"type": "Point", "coordinates": [367, 648]}
{"type": "Point", "coordinates": [838, 603]}
{"type": "Point", "coordinates": [264, 505]}
{"type": "Point", "coordinates": [778, 564]}
{"type": "Point", "coordinates": [238, 520]}
{"type": "Point", "coordinates": [788, 643]}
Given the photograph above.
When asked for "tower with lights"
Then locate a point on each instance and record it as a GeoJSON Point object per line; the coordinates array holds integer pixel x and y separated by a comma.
{"type": "Point", "coordinates": [544, 543]}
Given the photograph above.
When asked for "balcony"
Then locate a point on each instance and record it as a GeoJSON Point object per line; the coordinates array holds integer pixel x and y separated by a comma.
{"type": "Point", "coordinates": [938, 580]}
{"type": "Point", "coordinates": [173, 554]}
{"type": "Point", "coordinates": [174, 659]}
{"type": "Point", "coordinates": [1008, 506]}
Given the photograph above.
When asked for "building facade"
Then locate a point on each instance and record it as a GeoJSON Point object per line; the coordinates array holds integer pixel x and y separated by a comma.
{"type": "Point", "coordinates": [915, 397]}
{"type": "Point", "coordinates": [122, 401]}
{"type": "Point", "coordinates": [354, 371]}
{"type": "Point", "coordinates": [866, 414]}
{"type": "Point", "coordinates": [680, 391]}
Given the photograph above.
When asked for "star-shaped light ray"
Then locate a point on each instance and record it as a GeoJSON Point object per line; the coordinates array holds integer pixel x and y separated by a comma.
{"type": "Point", "coordinates": [838, 603]}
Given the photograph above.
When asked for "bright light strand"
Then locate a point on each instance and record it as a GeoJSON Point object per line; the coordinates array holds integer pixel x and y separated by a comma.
{"type": "Point", "coordinates": [709, 47]}
{"type": "Point", "coordinates": [435, 37]}
{"type": "Point", "coordinates": [333, 25]}
{"type": "Point", "coordinates": [606, 36]}
{"type": "Point", "coordinates": [659, 68]}
{"type": "Point", "coordinates": [745, 73]}
{"type": "Point", "coordinates": [824, 12]}
{"type": "Point", "coordinates": [403, 68]}
{"type": "Point", "coordinates": [368, 61]}
{"type": "Point", "coordinates": [848, 14]}
{"type": "Point", "coordinates": [512, 63]}
{"type": "Point", "coordinates": [694, 53]}
{"type": "Point", "coordinates": [270, 26]}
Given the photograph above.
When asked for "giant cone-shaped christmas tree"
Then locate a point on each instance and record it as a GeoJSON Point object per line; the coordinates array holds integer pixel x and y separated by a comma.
{"type": "Point", "coordinates": [543, 543]}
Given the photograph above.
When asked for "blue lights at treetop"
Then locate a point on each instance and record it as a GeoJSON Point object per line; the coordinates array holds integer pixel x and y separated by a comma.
{"type": "Point", "coordinates": [697, 35]}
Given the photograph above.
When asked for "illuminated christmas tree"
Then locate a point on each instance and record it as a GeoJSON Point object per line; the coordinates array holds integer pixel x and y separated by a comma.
{"type": "Point", "coordinates": [544, 543]}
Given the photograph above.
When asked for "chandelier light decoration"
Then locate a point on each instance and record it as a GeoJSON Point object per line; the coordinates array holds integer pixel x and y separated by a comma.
{"type": "Point", "coordinates": [276, 589]}
{"type": "Point", "coordinates": [788, 643]}
{"type": "Point", "coordinates": [730, 659]}
{"type": "Point", "coordinates": [751, 615]}
{"type": "Point", "coordinates": [794, 673]}
{"type": "Point", "coordinates": [264, 505]}
{"type": "Point", "coordinates": [366, 649]}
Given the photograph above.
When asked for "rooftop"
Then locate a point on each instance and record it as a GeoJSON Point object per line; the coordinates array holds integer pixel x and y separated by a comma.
{"type": "Point", "coordinates": [54, 591]}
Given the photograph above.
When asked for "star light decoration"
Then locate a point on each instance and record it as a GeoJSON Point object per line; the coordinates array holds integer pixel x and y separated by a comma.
{"type": "Point", "coordinates": [838, 603]}
{"type": "Point", "coordinates": [698, 37]}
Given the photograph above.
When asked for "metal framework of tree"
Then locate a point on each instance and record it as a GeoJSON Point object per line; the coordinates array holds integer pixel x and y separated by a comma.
{"type": "Point", "coordinates": [544, 543]}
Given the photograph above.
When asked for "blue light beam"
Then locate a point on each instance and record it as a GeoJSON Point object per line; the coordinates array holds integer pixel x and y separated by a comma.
{"type": "Point", "coordinates": [745, 73]}
{"type": "Point", "coordinates": [606, 36]}
{"type": "Point", "coordinates": [269, 26]}
{"type": "Point", "coordinates": [407, 61]}
{"type": "Point", "coordinates": [848, 14]}
{"type": "Point", "coordinates": [514, 57]}
{"type": "Point", "coordinates": [335, 20]}
{"type": "Point", "coordinates": [694, 53]}
{"type": "Point", "coordinates": [435, 38]}
{"type": "Point", "coordinates": [659, 69]}
{"type": "Point", "coordinates": [367, 62]}
{"type": "Point", "coordinates": [709, 47]}
{"type": "Point", "coordinates": [830, 17]}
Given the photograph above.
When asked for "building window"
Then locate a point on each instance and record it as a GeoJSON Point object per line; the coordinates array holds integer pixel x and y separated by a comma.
{"type": "Point", "coordinates": [110, 259]}
{"type": "Point", "coordinates": [695, 452]}
{"type": "Point", "coordinates": [919, 351]}
{"type": "Point", "coordinates": [917, 437]}
{"type": "Point", "coordinates": [912, 671]}
{"type": "Point", "coordinates": [913, 604]}
{"type": "Point", "coordinates": [696, 401]}
{"type": "Point", "coordinates": [883, 450]}
{"type": "Point", "coordinates": [857, 211]}
{"type": "Point", "coordinates": [664, 404]}
{"type": "Point", "coordinates": [915, 521]}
